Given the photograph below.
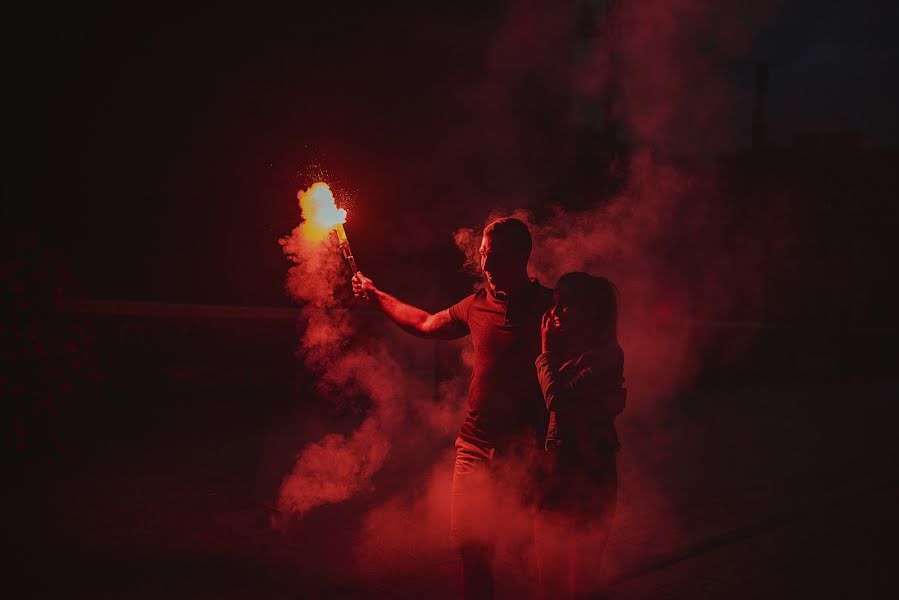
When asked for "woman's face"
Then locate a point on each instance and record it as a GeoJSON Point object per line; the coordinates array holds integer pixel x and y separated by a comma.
{"type": "Point", "coordinates": [569, 315]}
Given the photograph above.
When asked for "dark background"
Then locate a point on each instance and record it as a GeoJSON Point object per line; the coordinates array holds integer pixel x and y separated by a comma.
{"type": "Point", "coordinates": [159, 150]}
{"type": "Point", "coordinates": [152, 160]}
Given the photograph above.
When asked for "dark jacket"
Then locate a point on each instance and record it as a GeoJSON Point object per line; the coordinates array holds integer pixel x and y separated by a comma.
{"type": "Point", "coordinates": [583, 394]}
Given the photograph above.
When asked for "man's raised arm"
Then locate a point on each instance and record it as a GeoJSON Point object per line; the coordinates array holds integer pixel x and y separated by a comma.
{"type": "Point", "coordinates": [411, 319]}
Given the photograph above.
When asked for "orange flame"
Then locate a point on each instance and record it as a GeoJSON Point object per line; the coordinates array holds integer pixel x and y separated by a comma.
{"type": "Point", "coordinates": [320, 213]}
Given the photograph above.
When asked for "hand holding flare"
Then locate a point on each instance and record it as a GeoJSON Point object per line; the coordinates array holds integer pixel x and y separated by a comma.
{"type": "Point", "coordinates": [322, 216]}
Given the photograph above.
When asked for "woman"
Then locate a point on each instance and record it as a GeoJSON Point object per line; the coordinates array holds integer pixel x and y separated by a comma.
{"type": "Point", "coordinates": [581, 374]}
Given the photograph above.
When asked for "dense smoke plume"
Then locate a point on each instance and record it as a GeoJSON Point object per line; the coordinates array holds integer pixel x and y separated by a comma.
{"type": "Point", "coordinates": [374, 374]}
{"type": "Point", "coordinates": [336, 467]}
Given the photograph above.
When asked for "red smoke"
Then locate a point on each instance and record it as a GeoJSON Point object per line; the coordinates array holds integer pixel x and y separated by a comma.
{"type": "Point", "coordinates": [336, 467]}
{"type": "Point", "coordinates": [333, 469]}
{"type": "Point", "coordinates": [349, 365]}
{"type": "Point", "coordinates": [671, 56]}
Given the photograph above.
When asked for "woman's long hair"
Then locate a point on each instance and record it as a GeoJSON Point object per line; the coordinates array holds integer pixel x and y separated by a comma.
{"type": "Point", "coordinates": [599, 298]}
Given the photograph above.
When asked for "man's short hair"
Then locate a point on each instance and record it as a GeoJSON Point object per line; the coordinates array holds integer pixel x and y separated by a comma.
{"type": "Point", "coordinates": [511, 234]}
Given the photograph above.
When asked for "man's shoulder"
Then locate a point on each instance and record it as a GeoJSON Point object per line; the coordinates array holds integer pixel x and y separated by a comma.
{"type": "Point", "coordinates": [459, 311]}
{"type": "Point", "coordinates": [476, 294]}
{"type": "Point", "coordinates": [479, 294]}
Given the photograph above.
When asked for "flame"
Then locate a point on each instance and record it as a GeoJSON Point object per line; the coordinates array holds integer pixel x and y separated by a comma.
{"type": "Point", "coordinates": [320, 212]}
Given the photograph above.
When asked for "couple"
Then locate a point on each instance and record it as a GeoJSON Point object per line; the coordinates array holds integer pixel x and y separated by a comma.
{"type": "Point", "coordinates": [539, 356]}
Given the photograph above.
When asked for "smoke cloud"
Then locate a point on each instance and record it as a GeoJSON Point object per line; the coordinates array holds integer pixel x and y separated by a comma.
{"type": "Point", "coordinates": [671, 68]}
{"type": "Point", "coordinates": [338, 466]}
{"type": "Point", "coordinates": [379, 374]}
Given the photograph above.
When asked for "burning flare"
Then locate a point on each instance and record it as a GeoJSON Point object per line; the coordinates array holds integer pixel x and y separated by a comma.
{"type": "Point", "coordinates": [321, 216]}
{"type": "Point", "coordinates": [320, 213]}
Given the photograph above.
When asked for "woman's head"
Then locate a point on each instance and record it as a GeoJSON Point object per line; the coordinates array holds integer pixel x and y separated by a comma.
{"type": "Point", "coordinates": [586, 309]}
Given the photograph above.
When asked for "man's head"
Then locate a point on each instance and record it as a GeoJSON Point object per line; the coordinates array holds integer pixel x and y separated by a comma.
{"type": "Point", "coordinates": [505, 249]}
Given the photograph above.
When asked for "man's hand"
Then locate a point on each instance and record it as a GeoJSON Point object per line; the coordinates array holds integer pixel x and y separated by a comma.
{"type": "Point", "coordinates": [364, 288]}
{"type": "Point", "coordinates": [548, 332]}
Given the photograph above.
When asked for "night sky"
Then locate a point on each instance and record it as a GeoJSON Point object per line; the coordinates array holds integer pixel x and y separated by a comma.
{"type": "Point", "coordinates": [160, 149]}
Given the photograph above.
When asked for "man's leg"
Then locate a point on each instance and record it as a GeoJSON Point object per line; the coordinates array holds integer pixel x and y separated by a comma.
{"type": "Point", "coordinates": [470, 520]}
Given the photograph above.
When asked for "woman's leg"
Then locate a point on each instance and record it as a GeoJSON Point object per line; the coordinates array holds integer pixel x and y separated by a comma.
{"type": "Point", "coordinates": [552, 529]}
{"type": "Point", "coordinates": [588, 544]}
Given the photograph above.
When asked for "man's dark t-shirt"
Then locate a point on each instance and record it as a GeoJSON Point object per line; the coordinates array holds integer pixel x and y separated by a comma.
{"type": "Point", "coordinates": [504, 398]}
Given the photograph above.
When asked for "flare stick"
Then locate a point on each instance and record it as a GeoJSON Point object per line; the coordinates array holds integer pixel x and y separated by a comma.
{"type": "Point", "coordinates": [344, 245]}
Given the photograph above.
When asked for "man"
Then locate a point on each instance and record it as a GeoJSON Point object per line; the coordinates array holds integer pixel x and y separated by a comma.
{"type": "Point", "coordinates": [505, 404]}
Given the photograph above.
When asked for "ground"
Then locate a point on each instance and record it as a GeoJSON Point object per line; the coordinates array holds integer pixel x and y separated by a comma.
{"type": "Point", "coordinates": [781, 489]}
